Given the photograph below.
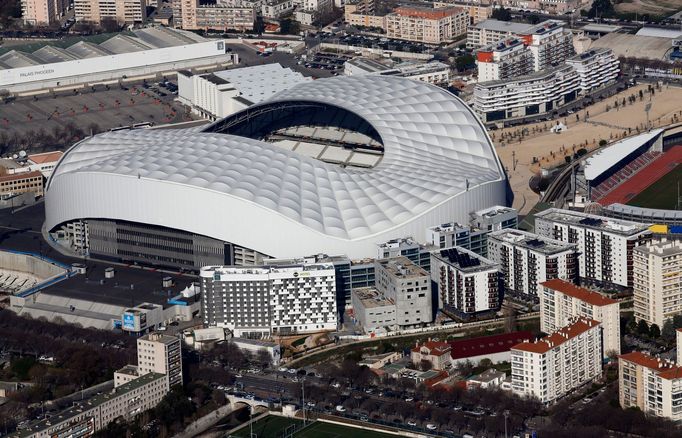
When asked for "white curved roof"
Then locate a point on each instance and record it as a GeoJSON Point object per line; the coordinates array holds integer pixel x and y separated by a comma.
{"type": "Point", "coordinates": [611, 155]}
{"type": "Point", "coordinates": [434, 150]}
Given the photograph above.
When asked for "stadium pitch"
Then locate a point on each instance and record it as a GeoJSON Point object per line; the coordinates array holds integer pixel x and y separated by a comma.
{"type": "Point", "coordinates": [662, 193]}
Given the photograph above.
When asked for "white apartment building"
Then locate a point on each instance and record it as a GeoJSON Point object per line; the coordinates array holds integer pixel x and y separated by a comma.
{"type": "Point", "coordinates": [595, 68]}
{"type": "Point", "coordinates": [466, 282]}
{"type": "Point", "coordinates": [605, 245]}
{"type": "Point", "coordinates": [651, 384]}
{"type": "Point", "coordinates": [528, 260]}
{"type": "Point", "coordinates": [408, 286]}
{"type": "Point", "coordinates": [494, 218]}
{"type": "Point", "coordinates": [561, 301]}
{"type": "Point", "coordinates": [276, 8]}
{"type": "Point", "coordinates": [491, 31]}
{"type": "Point", "coordinates": [426, 25]}
{"type": "Point", "coordinates": [559, 363]}
{"type": "Point", "coordinates": [222, 93]}
{"type": "Point", "coordinates": [160, 353]}
{"type": "Point", "coordinates": [264, 300]}
{"type": "Point", "coordinates": [478, 11]}
{"type": "Point", "coordinates": [549, 43]}
{"type": "Point", "coordinates": [523, 96]}
{"type": "Point", "coordinates": [123, 11]}
{"type": "Point", "coordinates": [505, 59]}
{"type": "Point", "coordinates": [657, 282]}
{"type": "Point", "coordinates": [416, 252]}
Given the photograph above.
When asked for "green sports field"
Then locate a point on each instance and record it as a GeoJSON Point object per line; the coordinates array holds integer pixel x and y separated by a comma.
{"type": "Point", "coordinates": [662, 193]}
{"type": "Point", "coordinates": [273, 426]}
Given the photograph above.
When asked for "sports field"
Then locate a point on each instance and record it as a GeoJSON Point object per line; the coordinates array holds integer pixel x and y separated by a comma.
{"type": "Point", "coordinates": [662, 193]}
{"type": "Point", "coordinates": [280, 427]}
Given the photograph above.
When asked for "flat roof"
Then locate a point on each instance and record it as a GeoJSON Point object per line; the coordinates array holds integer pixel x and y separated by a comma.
{"type": "Point", "coordinates": [635, 46]}
{"type": "Point", "coordinates": [559, 337]}
{"type": "Point", "coordinates": [261, 82]}
{"type": "Point", "coordinates": [160, 337]}
{"type": "Point", "coordinates": [662, 249]}
{"type": "Point", "coordinates": [368, 65]}
{"type": "Point", "coordinates": [402, 267]}
{"type": "Point", "coordinates": [372, 298]}
{"type": "Point", "coordinates": [586, 295]}
{"type": "Point", "coordinates": [659, 32]}
{"type": "Point", "coordinates": [533, 242]}
{"type": "Point", "coordinates": [611, 155]}
{"type": "Point", "coordinates": [464, 259]}
{"type": "Point", "coordinates": [487, 345]}
{"type": "Point", "coordinates": [502, 26]}
{"type": "Point", "coordinates": [600, 28]}
{"type": "Point", "coordinates": [592, 221]}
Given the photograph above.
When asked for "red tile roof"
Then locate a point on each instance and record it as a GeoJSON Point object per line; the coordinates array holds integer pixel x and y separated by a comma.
{"type": "Point", "coordinates": [46, 157]}
{"type": "Point", "coordinates": [435, 348]}
{"type": "Point", "coordinates": [427, 13]}
{"type": "Point", "coordinates": [559, 337]}
{"type": "Point", "coordinates": [570, 289]}
{"type": "Point", "coordinates": [645, 360]}
{"type": "Point", "coordinates": [21, 175]}
{"type": "Point", "coordinates": [671, 374]}
{"type": "Point", "coordinates": [485, 345]}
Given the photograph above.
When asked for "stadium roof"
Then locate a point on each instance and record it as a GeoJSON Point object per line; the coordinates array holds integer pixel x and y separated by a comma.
{"type": "Point", "coordinates": [608, 157]}
{"type": "Point", "coordinates": [438, 163]}
{"type": "Point", "coordinates": [261, 82]}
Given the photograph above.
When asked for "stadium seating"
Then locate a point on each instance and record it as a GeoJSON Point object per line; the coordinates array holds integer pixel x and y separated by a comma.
{"type": "Point", "coordinates": [626, 172]}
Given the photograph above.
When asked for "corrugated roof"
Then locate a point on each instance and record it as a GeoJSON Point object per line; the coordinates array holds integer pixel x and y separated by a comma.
{"type": "Point", "coordinates": [84, 50]}
{"type": "Point", "coordinates": [586, 295]}
{"type": "Point", "coordinates": [50, 54]}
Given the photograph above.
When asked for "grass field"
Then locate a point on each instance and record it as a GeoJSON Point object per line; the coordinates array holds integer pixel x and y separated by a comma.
{"type": "Point", "coordinates": [275, 427]}
{"type": "Point", "coordinates": [662, 193]}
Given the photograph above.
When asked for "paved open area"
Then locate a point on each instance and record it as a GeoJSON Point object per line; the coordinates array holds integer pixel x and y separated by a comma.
{"type": "Point", "coordinates": [276, 427]}
{"type": "Point", "coordinates": [533, 146]}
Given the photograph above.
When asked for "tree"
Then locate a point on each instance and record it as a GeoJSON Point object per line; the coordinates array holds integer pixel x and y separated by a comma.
{"type": "Point", "coordinates": [425, 365]}
{"type": "Point", "coordinates": [109, 24]}
{"type": "Point", "coordinates": [654, 331]}
{"type": "Point", "coordinates": [603, 142]}
{"type": "Point", "coordinates": [642, 327]}
{"type": "Point", "coordinates": [287, 26]}
{"type": "Point", "coordinates": [502, 14]}
{"type": "Point", "coordinates": [533, 18]}
{"type": "Point", "coordinates": [601, 8]}
{"type": "Point", "coordinates": [668, 332]}
{"type": "Point", "coordinates": [464, 62]}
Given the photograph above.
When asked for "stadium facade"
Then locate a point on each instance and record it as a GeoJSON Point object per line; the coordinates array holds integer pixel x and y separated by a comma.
{"type": "Point", "coordinates": [335, 166]}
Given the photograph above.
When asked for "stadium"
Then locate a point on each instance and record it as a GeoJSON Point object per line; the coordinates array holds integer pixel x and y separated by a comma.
{"type": "Point", "coordinates": [637, 179]}
{"type": "Point", "coordinates": [335, 165]}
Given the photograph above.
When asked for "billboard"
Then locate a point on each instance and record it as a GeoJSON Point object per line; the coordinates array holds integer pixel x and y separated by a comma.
{"type": "Point", "coordinates": [128, 321]}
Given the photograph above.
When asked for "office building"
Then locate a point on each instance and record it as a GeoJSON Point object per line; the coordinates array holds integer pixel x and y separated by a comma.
{"type": "Point", "coordinates": [527, 260]}
{"type": "Point", "coordinates": [534, 94]}
{"type": "Point", "coordinates": [223, 93]}
{"type": "Point", "coordinates": [595, 68]}
{"type": "Point", "coordinates": [557, 364]}
{"type": "Point", "coordinates": [426, 25]}
{"type": "Point", "coordinates": [491, 31]}
{"type": "Point", "coordinates": [408, 286]}
{"type": "Point", "coordinates": [605, 245]}
{"type": "Point", "coordinates": [657, 282]}
{"type": "Point", "coordinates": [42, 12]}
{"type": "Point", "coordinates": [466, 282]}
{"type": "Point", "coordinates": [560, 301]}
{"type": "Point", "coordinates": [123, 11]}
{"type": "Point", "coordinates": [652, 384]}
{"type": "Point", "coordinates": [264, 300]}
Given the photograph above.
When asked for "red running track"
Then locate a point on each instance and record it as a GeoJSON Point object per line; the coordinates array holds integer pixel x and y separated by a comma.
{"type": "Point", "coordinates": [644, 178]}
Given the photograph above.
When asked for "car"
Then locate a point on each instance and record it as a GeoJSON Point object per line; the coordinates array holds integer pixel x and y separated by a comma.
{"type": "Point", "coordinates": [364, 418]}
{"type": "Point", "coordinates": [369, 390]}
{"type": "Point", "coordinates": [340, 408]}
{"type": "Point", "coordinates": [292, 371]}
{"type": "Point", "coordinates": [409, 399]}
{"type": "Point", "coordinates": [336, 385]}
{"type": "Point", "coordinates": [412, 423]}
{"type": "Point", "coordinates": [310, 404]}
{"type": "Point", "coordinates": [239, 376]}
{"type": "Point", "coordinates": [283, 369]}
{"type": "Point", "coordinates": [431, 426]}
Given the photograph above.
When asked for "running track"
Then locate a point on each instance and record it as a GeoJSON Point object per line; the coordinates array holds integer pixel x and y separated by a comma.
{"type": "Point", "coordinates": [644, 178]}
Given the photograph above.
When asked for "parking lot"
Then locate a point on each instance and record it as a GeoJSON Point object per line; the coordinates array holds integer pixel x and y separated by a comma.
{"type": "Point", "coordinates": [97, 109]}
{"type": "Point", "coordinates": [376, 42]}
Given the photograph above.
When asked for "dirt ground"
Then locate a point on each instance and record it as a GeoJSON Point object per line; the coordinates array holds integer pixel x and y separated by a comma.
{"type": "Point", "coordinates": [533, 146]}
{"type": "Point", "coordinates": [655, 7]}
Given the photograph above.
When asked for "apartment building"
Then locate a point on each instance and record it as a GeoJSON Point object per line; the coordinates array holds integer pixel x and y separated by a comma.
{"type": "Point", "coordinates": [25, 182]}
{"type": "Point", "coordinates": [426, 25]}
{"type": "Point", "coordinates": [270, 299]}
{"type": "Point", "coordinates": [478, 11]}
{"type": "Point", "coordinates": [220, 15]}
{"type": "Point", "coordinates": [549, 43]}
{"type": "Point", "coordinates": [559, 6]}
{"type": "Point", "coordinates": [361, 13]}
{"type": "Point", "coordinates": [465, 282]}
{"type": "Point", "coordinates": [527, 260]}
{"type": "Point", "coordinates": [123, 11]}
{"type": "Point", "coordinates": [657, 281]}
{"type": "Point", "coordinates": [417, 253]}
{"type": "Point", "coordinates": [605, 245]}
{"type": "Point", "coordinates": [491, 31]}
{"type": "Point", "coordinates": [408, 286]}
{"type": "Point", "coordinates": [561, 301]}
{"type": "Point", "coordinates": [595, 68]}
{"type": "Point", "coordinates": [530, 95]}
{"type": "Point", "coordinates": [504, 59]}
{"type": "Point", "coordinates": [559, 363]}
{"type": "Point", "coordinates": [42, 12]}
{"type": "Point", "coordinates": [651, 384]}
{"type": "Point", "coordinates": [160, 353]}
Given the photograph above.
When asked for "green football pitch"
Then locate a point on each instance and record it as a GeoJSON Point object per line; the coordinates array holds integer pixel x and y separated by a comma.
{"type": "Point", "coordinates": [662, 193]}
{"type": "Point", "coordinates": [274, 426]}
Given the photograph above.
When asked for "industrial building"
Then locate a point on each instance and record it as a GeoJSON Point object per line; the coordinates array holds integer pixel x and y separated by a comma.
{"type": "Point", "coordinates": [223, 93]}
{"type": "Point", "coordinates": [125, 56]}
{"type": "Point", "coordinates": [260, 301]}
{"type": "Point", "coordinates": [328, 166]}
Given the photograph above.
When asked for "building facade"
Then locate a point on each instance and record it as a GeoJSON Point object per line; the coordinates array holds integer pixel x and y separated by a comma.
{"type": "Point", "coordinates": [657, 281]}
{"type": "Point", "coordinates": [42, 12]}
{"type": "Point", "coordinates": [504, 59]}
{"type": "Point", "coordinates": [417, 253]}
{"type": "Point", "coordinates": [123, 11]}
{"type": "Point", "coordinates": [25, 182]}
{"type": "Point", "coordinates": [466, 282]}
{"type": "Point", "coordinates": [408, 286]}
{"type": "Point", "coordinates": [527, 260]}
{"type": "Point", "coordinates": [159, 353]}
{"type": "Point", "coordinates": [488, 32]}
{"type": "Point", "coordinates": [561, 301]}
{"type": "Point", "coordinates": [559, 363]}
{"type": "Point", "coordinates": [605, 245]}
{"type": "Point", "coordinates": [595, 68]}
{"type": "Point", "coordinates": [372, 310]}
{"type": "Point", "coordinates": [426, 25]}
{"type": "Point", "coordinates": [264, 300]}
{"type": "Point", "coordinates": [437, 354]}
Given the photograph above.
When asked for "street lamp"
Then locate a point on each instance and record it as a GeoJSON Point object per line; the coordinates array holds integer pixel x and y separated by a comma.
{"type": "Point", "coordinates": [506, 415]}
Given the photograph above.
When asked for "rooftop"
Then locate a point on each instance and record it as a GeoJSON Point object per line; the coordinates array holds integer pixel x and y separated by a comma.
{"type": "Point", "coordinates": [211, 271]}
{"type": "Point", "coordinates": [46, 157]}
{"type": "Point", "coordinates": [488, 376]}
{"type": "Point", "coordinates": [464, 260]}
{"type": "Point", "coordinates": [580, 326]}
{"type": "Point", "coordinates": [372, 298]}
{"type": "Point", "coordinates": [20, 175]}
{"type": "Point", "coordinates": [260, 82]}
{"type": "Point", "coordinates": [502, 26]}
{"type": "Point", "coordinates": [531, 241]}
{"type": "Point", "coordinates": [660, 32]}
{"type": "Point", "coordinates": [487, 345]}
{"type": "Point", "coordinates": [426, 12]}
{"type": "Point", "coordinates": [402, 267]}
{"type": "Point", "coordinates": [502, 45]}
{"type": "Point", "coordinates": [647, 361]}
{"type": "Point", "coordinates": [588, 55]}
{"type": "Point", "coordinates": [637, 46]}
{"type": "Point", "coordinates": [661, 249]}
{"type": "Point", "coordinates": [586, 220]}
{"type": "Point", "coordinates": [160, 337]}
{"type": "Point", "coordinates": [435, 348]}
{"type": "Point", "coordinates": [532, 77]}
{"type": "Point", "coordinates": [368, 65]}
{"type": "Point", "coordinates": [586, 295]}
{"type": "Point", "coordinates": [544, 27]}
